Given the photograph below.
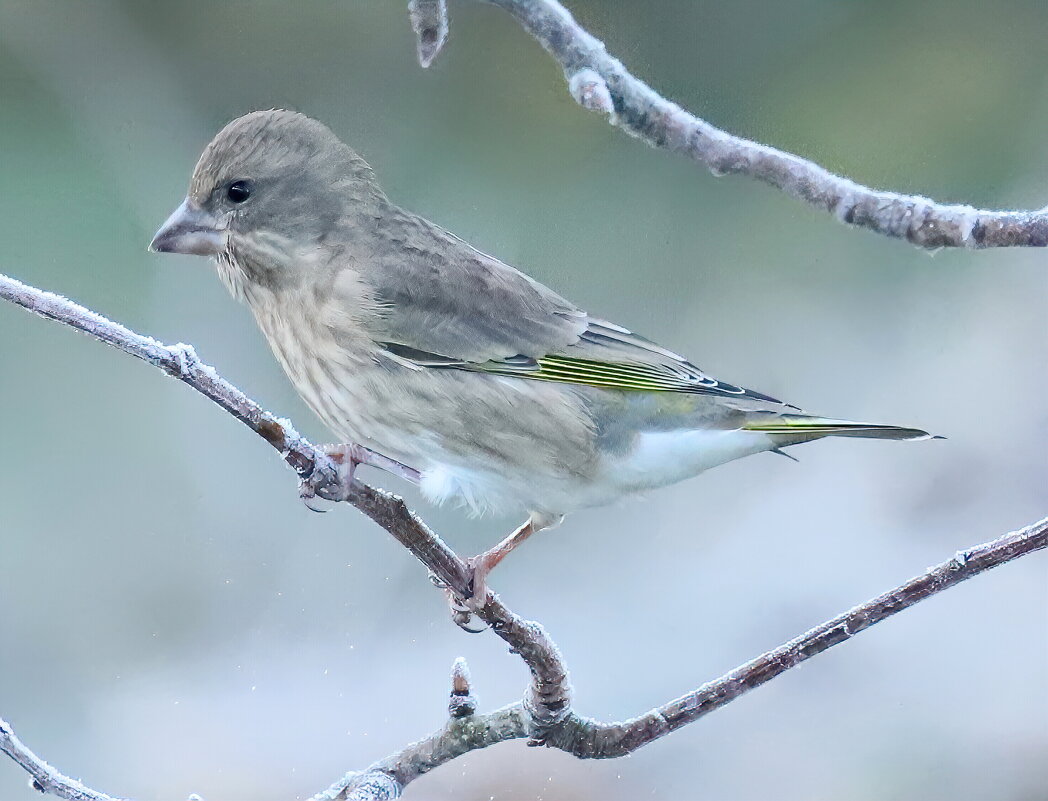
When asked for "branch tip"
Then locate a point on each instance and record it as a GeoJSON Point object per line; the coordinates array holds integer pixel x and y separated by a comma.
{"type": "Point", "coordinates": [460, 679]}
{"type": "Point", "coordinates": [429, 19]}
{"type": "Point", "coordinates": [462, 703]}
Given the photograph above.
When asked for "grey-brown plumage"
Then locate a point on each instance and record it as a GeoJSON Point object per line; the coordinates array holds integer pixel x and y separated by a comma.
{"type": "Point", "coordinates": [403, 337]}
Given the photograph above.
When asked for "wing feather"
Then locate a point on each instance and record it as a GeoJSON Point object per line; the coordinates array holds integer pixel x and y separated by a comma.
{"type": "Point", "coordinates": [442, 304]}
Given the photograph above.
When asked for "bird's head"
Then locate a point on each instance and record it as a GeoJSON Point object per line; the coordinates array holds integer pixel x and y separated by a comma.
{"type": "Point", "coordinates": [271, 188]}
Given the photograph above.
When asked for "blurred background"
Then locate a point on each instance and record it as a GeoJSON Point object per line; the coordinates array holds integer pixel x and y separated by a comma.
{"type": "Point", "coordinates": [173, 620]}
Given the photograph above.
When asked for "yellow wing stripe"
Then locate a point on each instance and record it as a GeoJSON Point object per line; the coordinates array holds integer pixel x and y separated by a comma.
{"type": "Point", "coordinates": [639, 377]}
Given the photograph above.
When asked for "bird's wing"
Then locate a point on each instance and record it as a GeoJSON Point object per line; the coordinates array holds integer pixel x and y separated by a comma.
{"type": "Point", "coordinates": [435, 295]}
{"type": "Point", "coordinates": [441, 304]}
{"type": "Point", "coordinates": [612, 357]}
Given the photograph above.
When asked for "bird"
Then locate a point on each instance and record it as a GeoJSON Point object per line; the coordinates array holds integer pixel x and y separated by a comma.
{"type": "Point", "coordinates": [400, 336]}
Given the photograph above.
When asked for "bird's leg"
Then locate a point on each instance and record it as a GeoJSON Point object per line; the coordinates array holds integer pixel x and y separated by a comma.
{"type": "Point", "coordinates": [484, 563]}
{"type": "Point", "coordinates": [346, 458]}
{"type": "Point", "coordinates": [463, 609]}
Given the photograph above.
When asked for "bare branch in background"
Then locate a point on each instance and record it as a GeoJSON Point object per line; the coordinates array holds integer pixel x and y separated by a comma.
{"type": "Point", "coordinates": [600, 82]}
{"type": "Point", "coordinates": [429, 18]}
{"type": "Point", "coordinates": [42, 777]}
{"type": "Point", "coordinates": [544, 716]}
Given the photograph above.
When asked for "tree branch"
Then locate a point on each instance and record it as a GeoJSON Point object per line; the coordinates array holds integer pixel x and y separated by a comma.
{"type": "Point", "coordinates": [590, 739]}
{"type": "Point", "coordinates": [42, 777]}
{"type": "Point", "coordinates": [600, 82]}
{"type": "Point", "coordinates": [544, 716]}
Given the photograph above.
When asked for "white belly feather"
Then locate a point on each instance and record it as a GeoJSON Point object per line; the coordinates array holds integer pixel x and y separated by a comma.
{"type": "Point", "coordinates": [657, 459]}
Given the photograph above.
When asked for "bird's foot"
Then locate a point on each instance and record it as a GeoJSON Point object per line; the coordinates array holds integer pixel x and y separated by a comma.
{"type": "Point", "coordinates": [464, 615]}
{"type": "Point", "coordinates": [462, 611]}
{"type": "Point", "coordinates": [479, 567]}
{"type": "Point", "coordinates": [316, 490]}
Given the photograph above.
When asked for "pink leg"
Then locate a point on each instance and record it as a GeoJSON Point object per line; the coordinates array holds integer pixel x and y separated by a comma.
{"type": "Point", "coordinates": [489, 560]}
{"type": "Point", "coordinates": [346, 456]}
{"type": "Point", "coordinates": [462, 609]}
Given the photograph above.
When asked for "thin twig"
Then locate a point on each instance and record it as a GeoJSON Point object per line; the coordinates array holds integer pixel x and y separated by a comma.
{"type": "Point", "coordinates": [544, 716]}
{"type": "Point", "coordinates": [310, 462]}
{"type": "Point", "coordinates": [600, 82]}
{"type": "Point", "coordinates": [181, 362]}
{"type": "Point", "coordinates": [588, 739]}
{"type": "Point", "coordinates": [43, 777]}
{"type": "Point", "coordinates": [461, 703]}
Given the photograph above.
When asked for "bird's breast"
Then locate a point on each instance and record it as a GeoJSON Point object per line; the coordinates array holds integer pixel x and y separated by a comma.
{"type": "Point", "coordinates": [487, 441]}
{"type": "Point", "coordinates": [331, 373]}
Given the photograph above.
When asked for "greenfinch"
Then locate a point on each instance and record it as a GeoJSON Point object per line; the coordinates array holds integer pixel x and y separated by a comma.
{"type": "Point", "coordinates": [403, 337]}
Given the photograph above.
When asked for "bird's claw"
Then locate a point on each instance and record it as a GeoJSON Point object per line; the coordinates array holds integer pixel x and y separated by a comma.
{"type": "Point", "coordinates": [462, 611]}
{"type": "Point", "coordinates": [308, 491]}
{"type": "Point", "coordinates": [320, 490]}
{"type": "Point", "coordinates": [462, 616]}
{"type": "Point", "coordinates": [313, 502]}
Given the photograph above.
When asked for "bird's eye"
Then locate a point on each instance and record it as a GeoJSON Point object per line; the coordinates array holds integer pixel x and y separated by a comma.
{"type": "Point", "coordinates": [238, 191]}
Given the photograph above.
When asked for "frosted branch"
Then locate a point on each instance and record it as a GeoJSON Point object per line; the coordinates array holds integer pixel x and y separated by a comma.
{"type": "Point", "coordinates": [429, 18]}
{"type": "Point", "coordinates": [601, 83]}
{"type": "Point", "coordinates": [544, 716]}
{"type": "Point", "coordinates": [42, 777]}
{"type": "Point", "coordinates": [586, 738]}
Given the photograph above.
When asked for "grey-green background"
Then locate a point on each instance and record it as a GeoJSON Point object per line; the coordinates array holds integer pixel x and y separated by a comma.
{"type": "Point", "coordinates": [172, 620]}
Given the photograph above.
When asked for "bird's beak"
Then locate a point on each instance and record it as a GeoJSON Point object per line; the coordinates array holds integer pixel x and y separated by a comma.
{"type": "Point", "coordinates": [190, 230]}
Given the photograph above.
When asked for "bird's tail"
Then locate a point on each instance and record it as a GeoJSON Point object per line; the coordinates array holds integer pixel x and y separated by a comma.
{"type": "Point", "coordinates": [796, 428]}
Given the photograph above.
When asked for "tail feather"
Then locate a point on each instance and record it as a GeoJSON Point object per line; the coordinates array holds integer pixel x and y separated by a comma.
{"type": "Point", "coordinates": [806, 428]}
